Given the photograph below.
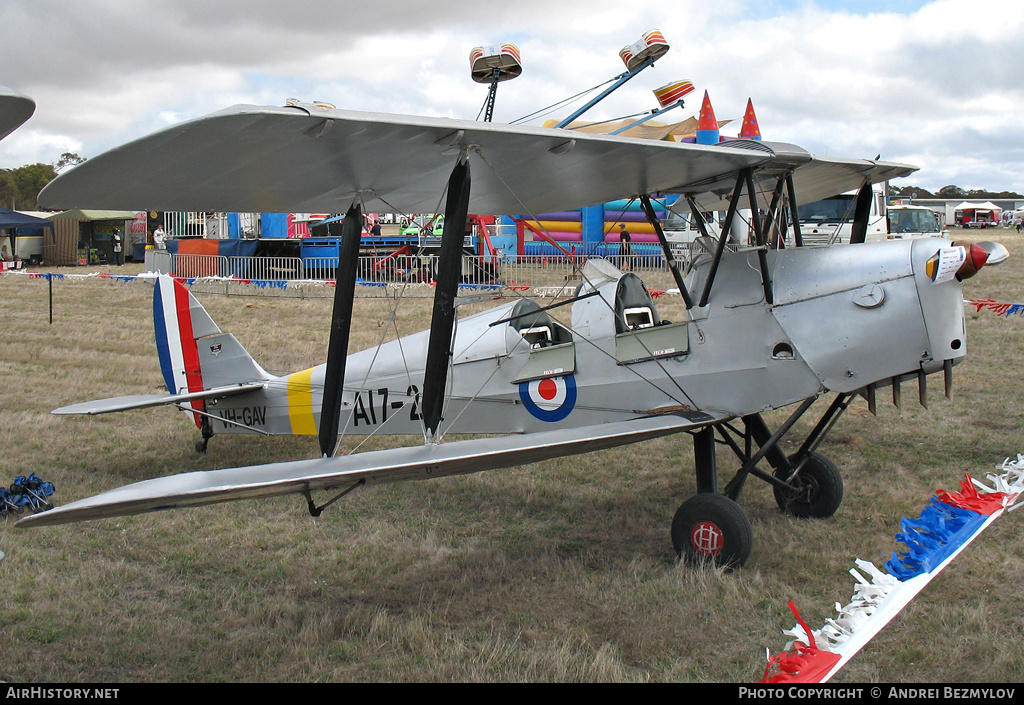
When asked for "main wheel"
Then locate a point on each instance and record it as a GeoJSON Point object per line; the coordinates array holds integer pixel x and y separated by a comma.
{"type": "Point", "coordinates": [711, 528]}
{"type": "Point", "coordinates": [819, 489]}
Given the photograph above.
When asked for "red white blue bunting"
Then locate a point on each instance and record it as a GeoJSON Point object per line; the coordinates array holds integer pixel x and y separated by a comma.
{"type": "Point", "coordinates": [945, 528]}
{"type": "Point", "coordinates": [258, 283]}
{"type": "Point", "coordinates": [997, 307]}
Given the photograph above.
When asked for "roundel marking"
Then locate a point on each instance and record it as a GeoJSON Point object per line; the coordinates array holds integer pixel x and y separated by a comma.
{"type": "Point", "coordinates": [550, 399]}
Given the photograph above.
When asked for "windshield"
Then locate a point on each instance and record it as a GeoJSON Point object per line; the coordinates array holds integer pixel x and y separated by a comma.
{"type": "Point", "coordinates": [682, 221]}
{"type": "Point", "coordinates": [913, 221]}
{"type": "Point", "coordinates": [838, 209]}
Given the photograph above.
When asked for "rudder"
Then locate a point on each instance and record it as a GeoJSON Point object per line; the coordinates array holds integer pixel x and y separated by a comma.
{"type": "Point", "coordinates": [194, 353]}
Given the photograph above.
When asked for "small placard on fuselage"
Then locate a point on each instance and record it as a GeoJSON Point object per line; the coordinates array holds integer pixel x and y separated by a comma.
{"type": "Point", "coordinates": [651, 343]}
{"type": "Point", "coordinates": [551, 361]}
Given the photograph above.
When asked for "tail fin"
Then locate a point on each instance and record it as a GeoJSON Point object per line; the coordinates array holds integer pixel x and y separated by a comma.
{"type": "Point", "coordinates": [194, 353]}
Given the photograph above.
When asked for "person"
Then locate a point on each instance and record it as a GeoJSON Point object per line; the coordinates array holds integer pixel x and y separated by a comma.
{"type": "Point", "coordinates": [375, 230]}
{"type": "Point", "coordinates": [158, 237]}
{"type": "Point", "coordinates": [625, 249]}
{"type": "Point", "coordinates": [118, 259]}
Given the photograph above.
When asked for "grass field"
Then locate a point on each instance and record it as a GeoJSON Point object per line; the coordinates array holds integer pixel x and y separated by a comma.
{"type": "Point", "coordinates": [560, 571]}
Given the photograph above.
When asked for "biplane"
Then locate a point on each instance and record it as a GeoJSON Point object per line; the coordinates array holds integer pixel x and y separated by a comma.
{"type": "Point", "coordinates": [764, 328]}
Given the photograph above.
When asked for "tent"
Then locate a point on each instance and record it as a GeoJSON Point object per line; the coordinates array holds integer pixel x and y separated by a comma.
{"type": "Point", "coordinates": [85, 236]}
{"type": "Point", "coordinates": [12, 220]}
{"type": "Point", "coordinates": [966, 207]}
{"type": "Point", "coordinates": [986, 206]}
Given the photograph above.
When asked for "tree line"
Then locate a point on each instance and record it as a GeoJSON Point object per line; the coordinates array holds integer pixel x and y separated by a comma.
{"type": "Point", "coordinates": [19, 187]}
{"type": "Point", "coordinates": [952, 192]}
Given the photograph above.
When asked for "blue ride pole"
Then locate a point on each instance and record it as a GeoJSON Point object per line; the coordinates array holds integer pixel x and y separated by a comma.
{"type": "Point", "coordinates": [620, 82]}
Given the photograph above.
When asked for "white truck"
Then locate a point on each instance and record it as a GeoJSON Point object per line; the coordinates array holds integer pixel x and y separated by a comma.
{"type": "Point", "coordinates": [830, 220]}
{"type": "Point", "coordinates": [908, 221]}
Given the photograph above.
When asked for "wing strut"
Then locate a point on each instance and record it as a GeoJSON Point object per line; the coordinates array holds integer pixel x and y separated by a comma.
{"type": "Point", "coordinates": [645, 202]}
{"type": "Point", "coordinates": [698, 218]}
{"type": "Point", "coordinates": [442, 322]}
{"type": "Point", "coordinates": [341, 325]}
{"type": "Point", "coordinates": [861, 214]}
{"type": "Point", "coordinates": [755, 221]}
{"type": "Point", "coordinates": [774, 216]}
{"type": "Point", "coordinates": [794, 213]}
{"type": "Point", "coordinates": [730, 215]}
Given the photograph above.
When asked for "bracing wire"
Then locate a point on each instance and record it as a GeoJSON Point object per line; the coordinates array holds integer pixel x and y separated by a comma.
{"type": "Point", "coordinates": [583, 275]}
{"type": "Point", "coordinates": [565, 101]}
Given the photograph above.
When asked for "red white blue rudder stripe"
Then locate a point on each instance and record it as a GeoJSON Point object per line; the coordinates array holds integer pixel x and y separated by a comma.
{"type": "Point", "coordinates": [178, 320]}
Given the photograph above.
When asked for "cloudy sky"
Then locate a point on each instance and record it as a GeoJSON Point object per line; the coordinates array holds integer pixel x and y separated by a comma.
{"type": "Point", "coordinates": [936, 84]}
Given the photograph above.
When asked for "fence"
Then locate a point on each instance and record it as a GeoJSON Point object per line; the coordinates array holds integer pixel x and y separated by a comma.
{"type": "Point", "coordinates": [383, 276]}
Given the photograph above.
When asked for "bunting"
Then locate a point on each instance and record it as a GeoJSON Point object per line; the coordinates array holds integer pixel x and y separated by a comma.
{"type": "Point", "coordinates": [997, 307]}
{"type": "Point", "coordinates": [258, 283]}
{"type": "Point", "coordinates": [945, 528]}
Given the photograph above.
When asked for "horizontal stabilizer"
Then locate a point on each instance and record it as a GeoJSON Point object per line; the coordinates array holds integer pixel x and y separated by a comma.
{"type": "Point", "coordinates": [146, 401]}
{"type": "Point", "coordinates": [390, 465]}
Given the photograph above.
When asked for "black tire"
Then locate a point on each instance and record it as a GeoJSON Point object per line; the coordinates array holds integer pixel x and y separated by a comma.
{"type": "Point", "coordinates": [819, 489]}
{"type": "Point", "coordinates": [711, 528]}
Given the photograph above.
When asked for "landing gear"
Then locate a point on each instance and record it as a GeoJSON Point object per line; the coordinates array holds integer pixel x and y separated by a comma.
{"type": "Point", "coordinates": [207, 435]}
{"type": "Point", "coordinates": [817, 491]}
{"type": "Point", "coordinates": [711, 528]}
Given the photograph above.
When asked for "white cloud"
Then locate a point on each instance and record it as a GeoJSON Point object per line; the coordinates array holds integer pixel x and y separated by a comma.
{"type": "Point", "coordinates": [937, 85]}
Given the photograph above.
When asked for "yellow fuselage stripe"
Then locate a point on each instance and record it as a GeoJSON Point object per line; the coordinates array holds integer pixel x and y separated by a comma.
{"type": "Point", "coordinates": [300, 403]}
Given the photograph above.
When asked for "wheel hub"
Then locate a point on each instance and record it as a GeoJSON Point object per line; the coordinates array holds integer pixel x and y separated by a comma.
{"type": "Point", "coordinates": [806, 488]}
{"type": "Point", "coordinates": [707, 539]}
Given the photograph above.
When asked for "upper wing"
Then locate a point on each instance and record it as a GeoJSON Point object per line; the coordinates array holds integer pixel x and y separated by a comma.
{"type": "Point", "coordinates": [306, 158]}
{"type": "Point", "coordinates": [391, 465]}
{"type": "Point", "coordinates": [814, 177]}
{"type": "Point", "coordinates": [14, 110]}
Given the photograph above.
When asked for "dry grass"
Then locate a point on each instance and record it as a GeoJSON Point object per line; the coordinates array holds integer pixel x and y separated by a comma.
{"type": "Point", "coordinates": [560, 571]}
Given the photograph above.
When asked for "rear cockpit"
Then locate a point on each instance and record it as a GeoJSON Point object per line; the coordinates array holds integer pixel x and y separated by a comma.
{"type": "Point", "coordinates": [634, 307]}
{"type": "Point", "coordinates": [625, 311]}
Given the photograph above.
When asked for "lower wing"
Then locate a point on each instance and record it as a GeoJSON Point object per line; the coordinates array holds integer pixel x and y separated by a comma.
{"type": "Point", "coordinates": [391, 465]}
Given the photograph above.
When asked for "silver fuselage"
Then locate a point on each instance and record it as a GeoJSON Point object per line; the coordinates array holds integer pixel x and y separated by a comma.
{"type": "Point", "coordinates": [842, 318]}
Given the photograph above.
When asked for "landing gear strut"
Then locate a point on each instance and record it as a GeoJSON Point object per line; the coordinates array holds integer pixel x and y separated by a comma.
{"type": "Point", "coordinates": [817, 488]}
{"type": "Point", "coordinates": [711, 527]}
{"type": "Point", "coordinates": [207, 435]}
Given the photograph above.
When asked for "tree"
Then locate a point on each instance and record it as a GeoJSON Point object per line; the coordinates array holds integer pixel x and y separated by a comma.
{"type": "Point", "coordinates": [911, 192]}
{"type": "Point", "coordinates": [951, 192]}
{"type": "Point", "coordinates": [26, 182]}
{"type": "Point", "coordinates": [69, 159]}
{"type": "Point", "coordinates": [8, 191]}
